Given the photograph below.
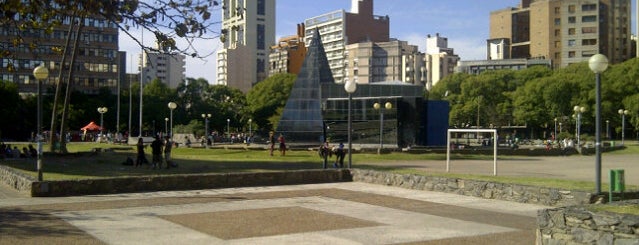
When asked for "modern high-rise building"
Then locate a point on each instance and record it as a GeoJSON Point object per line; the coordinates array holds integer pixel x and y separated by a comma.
{"type": "Point", "coordinates": [440, 59]}
{"type": "Point", "coordinates": [340, 28]}
{"type": "Point", "coordinates": [371, 62]}
{"type": "Point", "coordinates": [565, 31]}
{"type": "Point", "coordinates": [97, 63]}
{"type": "Point", "coordinates": [168, 68]}
{"type": "Point", "coordinates": [248, 30]}
{"type": "Point", "coordinates": [288, 54]}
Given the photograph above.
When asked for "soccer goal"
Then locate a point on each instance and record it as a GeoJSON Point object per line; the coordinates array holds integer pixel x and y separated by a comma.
{"type": "Point", "coordinates": [492, 131]}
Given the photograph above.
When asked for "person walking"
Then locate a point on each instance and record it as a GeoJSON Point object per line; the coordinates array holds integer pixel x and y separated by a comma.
{"type": "Point", "coordinates": [141, 159]}
{"type": "Point", "coordinates": [271, 140]}
{"type": "Point", "coordinates": [282, 145]}
{"type": "Point", "coordinates": [339, 156]}
{"type": "Point", "coordinates": [168, 144]}
{"type": "Point", "coordinates": [156, 150]}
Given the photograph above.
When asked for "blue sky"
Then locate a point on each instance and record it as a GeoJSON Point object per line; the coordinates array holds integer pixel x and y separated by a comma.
{"type": "Point", "coordinates": [463, 22]}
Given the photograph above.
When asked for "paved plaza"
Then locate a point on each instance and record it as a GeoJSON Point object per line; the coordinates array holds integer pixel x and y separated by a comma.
{"type": "Point", "coordinates": [336, 213]}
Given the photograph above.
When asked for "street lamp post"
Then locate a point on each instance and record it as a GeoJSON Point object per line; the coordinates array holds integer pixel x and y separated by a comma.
{"type": "Point", "coordinates": [228, 129]}
{"type": "Point", "coordinates": [40, 73]}
{"type": "Point", "coordinates": [623, 114]}
{"type": "Point", "coordinates": [172, 106]}
{"type": "Point", "coordinates": [608, 129]}
{"type": "Point", "coordinates": [206, 128]}
{"type": "Point", "coordinates": [378, 106]}
{"type": "Point", "coordinates": [166, 128]}
{"type": "Point", "coordinates": [102, 110]}
{"type": "Point", "coordinates": [248, 138]}
{"type": "Point", "coordinates": [555, 137]}
{"type": "Point", "coordinates": [578, 110]}
{"type": "Point", "coordinates": [598, 64]}
{"type": "Point", "coordinates": [350, 87]}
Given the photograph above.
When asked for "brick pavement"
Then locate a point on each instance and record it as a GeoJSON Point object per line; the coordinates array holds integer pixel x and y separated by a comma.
{"type": "Point", "coordinates": [340, 213]}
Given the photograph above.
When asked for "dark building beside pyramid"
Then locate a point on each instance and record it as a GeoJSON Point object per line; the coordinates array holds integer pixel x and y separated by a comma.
{"type": "Point", "coordinates": [301, 119]}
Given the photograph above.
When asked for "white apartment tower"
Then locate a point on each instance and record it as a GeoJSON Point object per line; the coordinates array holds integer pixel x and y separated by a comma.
{"type": "Point", "coordinates": [440, 60]}
{"type": "Point", "coordinates": [248, 30]}
{"type": "Point", "coordinates": [168, 68]}
{"type": "Point", "coordinates": [370, 62]}
{"type": "Point", "coordinates": [340, 28]}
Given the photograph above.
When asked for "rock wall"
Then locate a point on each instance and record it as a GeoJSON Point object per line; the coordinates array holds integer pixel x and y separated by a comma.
{"type": "Point", "coordinates": [19, 181]}
{"type": "Point", "coordinates": [578, 225]}
{"type": "Point", "coordinates": [184, 182]}
{"type": "Point", "coordinates": [509, 192]}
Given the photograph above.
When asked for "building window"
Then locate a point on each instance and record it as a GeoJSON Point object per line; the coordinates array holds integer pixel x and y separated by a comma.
{"type": "Point", "coordinates": [571, 9]}
{"type": "Point", "coordinates": [572, 19]}
{"type": "Point", "coordinates": [589, 7]}
{"type": "Point", "coordinates": [586, 42]}
{"type": "Point", "coordinates": [261, 65]}
{"type": "Point", "coordinates": [261, 7]}
{"type": "Point", "coordinates": [557, 10]}
{"type": "Point", "coordinates": [557, 44]}
{"type": "Point", "coordinates": [261, 37]}
{"type": "Point", "coordinates": [557, 55]}
{"type": "Point", "coordinates": [571, 31]}
{"type": "Point", "coordinates": [589, 30]}
{"type": "Point", "coordinates": [571, 43]}
{"type": "Point", "coordinates": [589, 18]}
{"type": "Point", "coordinates": [557, 32]}
{"type": "Point", "coordinates": [571, 54]}
{"type": "Point", "coordinates": [557, 21]}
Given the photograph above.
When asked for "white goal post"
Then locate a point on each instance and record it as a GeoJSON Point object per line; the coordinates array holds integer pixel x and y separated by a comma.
{"type": "Point", "coordinates": [494, 133]}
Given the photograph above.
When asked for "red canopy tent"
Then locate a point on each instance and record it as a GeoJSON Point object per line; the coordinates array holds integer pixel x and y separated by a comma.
{"type": "Point", "coordinates": [91, 127]}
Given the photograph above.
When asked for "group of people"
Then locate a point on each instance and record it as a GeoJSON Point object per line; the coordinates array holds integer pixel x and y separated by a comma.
{"type": "Point", "coordinates": [7, 152]}
{"type": "Point", "coordinates": [158, 148]}
{"type": "Point", "coordinates": [280, 139]}
{"type": "Point", "coordinates": [325, 151]}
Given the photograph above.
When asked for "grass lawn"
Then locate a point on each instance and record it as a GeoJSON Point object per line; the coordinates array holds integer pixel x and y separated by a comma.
{"type": "Point", "coordinates": [81, 163]}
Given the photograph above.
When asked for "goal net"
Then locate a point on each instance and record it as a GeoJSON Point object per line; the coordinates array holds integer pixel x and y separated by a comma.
{"type": "Point", "coordinates": [494, 136]}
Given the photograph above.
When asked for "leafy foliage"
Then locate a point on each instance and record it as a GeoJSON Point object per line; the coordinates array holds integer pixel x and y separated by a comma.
{"type": "Point", "coordinates": [267, 99]}
{"type": "Point", "coordinates": [536, 96]}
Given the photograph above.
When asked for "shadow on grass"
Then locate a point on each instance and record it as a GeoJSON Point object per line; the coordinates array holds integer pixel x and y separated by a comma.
{"type": "Point", "coordinates": [110, 164]}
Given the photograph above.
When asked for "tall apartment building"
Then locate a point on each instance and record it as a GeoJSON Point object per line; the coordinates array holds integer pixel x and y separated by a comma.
{"type": "Point", "coordinates": [248, 29]}
{"type": "Point", "coordinates": [340, 28]}
{"type": "Point", "coordinates": [440, 60]}
{"type": "Point", "coordinates": [288, 54]}
{"type": "Point", "coordinates": [371, 62]}
{"type": "Point", "coordinates": [168, 68]}
{"type": "Point", "coordinates": [565, 31]}
{"type": "Point", "coordinates": [97, 64]}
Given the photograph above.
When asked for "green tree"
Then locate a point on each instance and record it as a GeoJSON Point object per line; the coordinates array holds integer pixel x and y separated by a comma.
{"type": "Point", "coordinates": [267, 98]}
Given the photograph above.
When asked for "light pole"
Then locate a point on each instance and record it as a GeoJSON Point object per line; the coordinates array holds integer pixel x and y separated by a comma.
{"type": "Point", "coordinates": [378, 106]}
{"type": "Point", "coordinates": [40, 73]}
{"type": "Point", "coordinates": [102, 110]}
{"type": "Point", "coordinates": [578, 110]}
{"type": "Point", "coordinates": [228, 129]}
{"type": "Point", "coordinates": [248, 138]}
{"type": "Point", "coordinates": [598, 64]}
{"type": "Point", "coordinates": [172, 106]}
{"type": "Point", "coordinates": [560, 127]}
{"type": "Point", "coordinates": [166, 128]}
{"type": "Point", "coordinates": [608, 129]}
{"type": "Point", "coordinates": [206, 128]}
{"type": "Point", "coordinates": [350, 87]}
{"type": "Point", "coordinates": [555, 137]}
{"type": "Point", "coordinates": [623, 114]}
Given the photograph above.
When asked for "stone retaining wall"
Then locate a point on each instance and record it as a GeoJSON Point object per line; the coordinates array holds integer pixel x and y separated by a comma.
{"type": "Point", "coordinates": [184, 182]}
{"type": "Point", "coordinates": [578, 225]}
{"type": "Point", "coordinates": [484, 189]}
{"type": "Point", "coordinates": [19, 181]}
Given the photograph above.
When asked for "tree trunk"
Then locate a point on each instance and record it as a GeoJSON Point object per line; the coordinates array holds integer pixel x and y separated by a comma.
{"type": "Point", "coordinates": [52, 138]}
{"type": "Point", "coordinates": [67, 98]}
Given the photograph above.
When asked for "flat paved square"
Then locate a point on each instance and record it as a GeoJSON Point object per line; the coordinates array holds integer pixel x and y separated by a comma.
{"type": "Point", "coordinates": [338, 213]}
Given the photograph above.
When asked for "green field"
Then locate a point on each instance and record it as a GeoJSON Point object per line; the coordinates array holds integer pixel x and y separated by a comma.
{"type": "Point", "coordinates": [83, 163]}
